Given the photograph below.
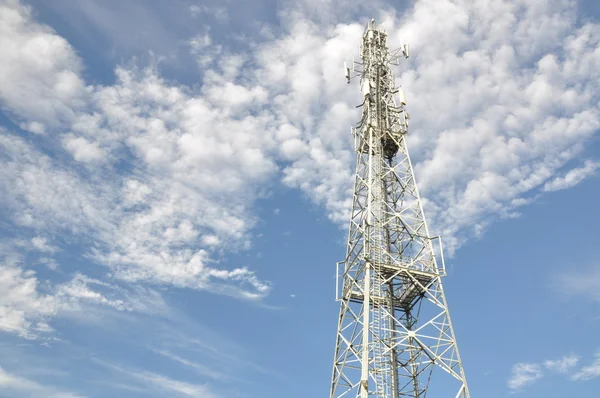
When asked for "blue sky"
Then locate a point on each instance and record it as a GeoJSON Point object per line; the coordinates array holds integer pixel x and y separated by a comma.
{"type": "Point", "coordinates": [175, 183]}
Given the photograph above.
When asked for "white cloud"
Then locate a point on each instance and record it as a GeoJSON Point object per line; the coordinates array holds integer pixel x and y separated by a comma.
{"type": "Point", "coordinates": [39, 75]}
{"type": "Point", "coordinates": [211, 240]}
{"type": "Point", "coordinates": [34, 127]}
{"type": "Point", "coordinates": [514, 99]}
{"type": "Point", "coordinates": [22, 307]}
{"type": "Point", "coordinates": [562, 365]}
{"type": "Point", "coordinates": [197, 184]}
{"type": "Point", "coordinates": [590, 371]}
{"type": "Point", "coordinates": [27, 388]}
{"type": "Point", "coordinates": [49, 262]}
{"type": "Point", "coordinates": [572, 177]}
{"type": "Point", "coordinates": [41, 244]}
{"type": "Point", "coordinates": [83, 150]}
{"type": "Point", "coordinates": [43, 196]}
{"type": "Point", "coordinates": [151, 381]}
{"type": "Point", "coordinates": [28, 306]}
{"type": "Point", "coordinates": [203, 48]}
{"type": "Point", "coordinates": [524, 374]}
{"type": "Point", "coordinates": [585, 284]}
{"type": "Point", "coordinates": [195, 170]}
{"type": "Point", "coordinates": [502, 96]}
{"type": "Point", "coordinates": [219, 13]}
{"type": "Point", "coordinates": [177, 387]}
{"type": "Point", "coordinates": [201, 369]}
{"type": "Point", "coordinates": [78, 291]}
{"type": "Point", "coordinates": [147, 229]}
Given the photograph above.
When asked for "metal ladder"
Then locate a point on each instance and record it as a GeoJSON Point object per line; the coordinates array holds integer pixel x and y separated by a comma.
{"type": "Point", "coordinates": [379, 328]}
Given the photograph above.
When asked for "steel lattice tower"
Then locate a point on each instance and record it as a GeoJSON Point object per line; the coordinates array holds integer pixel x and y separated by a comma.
{"type": "Point", "coordinates": [394, 337]}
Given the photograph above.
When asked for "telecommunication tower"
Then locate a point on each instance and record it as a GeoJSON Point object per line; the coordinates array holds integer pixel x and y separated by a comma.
{"type": "Point", "coordinates": [394, 336]}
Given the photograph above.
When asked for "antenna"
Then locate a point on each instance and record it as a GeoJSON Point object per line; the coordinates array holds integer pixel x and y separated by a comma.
{"type": "Point", "coordinates": [401, 96]}
{"type": "Point", "coordinates": [347, 73]}
{"type": "Point", "coordinates": [405, 50]}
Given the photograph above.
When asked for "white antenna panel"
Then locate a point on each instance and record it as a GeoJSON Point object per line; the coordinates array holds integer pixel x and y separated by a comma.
{"type": "Point", "coordinates": [401, 96]}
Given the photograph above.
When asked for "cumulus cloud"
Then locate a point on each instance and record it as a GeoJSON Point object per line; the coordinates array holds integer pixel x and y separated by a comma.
{"type": "Point", "coordinates": [502, 96]}
{"type": "Point", "coordinates": [195, 173]}
{"type": "Point", "coordinates": [23, 309]}
{"type": "Point", "coordinates": [43, 196]}
{"type": "Point", "coordinates": [39, 75]}
{"type": "Point", "coordinates": [169, 177]}
{"type": "Point", "coordinates": [83, 150]}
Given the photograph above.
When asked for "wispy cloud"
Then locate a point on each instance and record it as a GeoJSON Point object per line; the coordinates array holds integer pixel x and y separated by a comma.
{"type": "Point", "coordinates": [41, 244]}
{"type": "Point", "coordinates": [201, 369]}
{"type": "Point", "coordinates": [572, 177]}
{"type": "Point", "coordinates": [199, 360]}
{"type": "Point", "coordinates": [525, 374]}
{"type": "Point", "coordinates": [189, 346]}
{"type": "Point", "coordinates": [590, 371]}
{"type": "Point", "coordinates": [26, 309]}
{"type": "Point", "coordinates": [219, 13]}
{"type": "Point", "coordinates": [177, 387]}
{"type": "Point", "coordinates": [103, 26]}
{"type": "Point", "coordinates": [562, 365]}
{"type": "Point", "coordinates": [24, 387]}
{"type": "Point", "coordinates": [204, 351]}
{"type": "Point", "coordinates": [584, 283]}
{"type": "Point", "coordinates": [145, 381]}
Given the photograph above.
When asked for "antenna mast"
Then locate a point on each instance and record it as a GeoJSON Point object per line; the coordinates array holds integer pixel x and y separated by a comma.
{"type": "Point", "coordinates": [394, 336]}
